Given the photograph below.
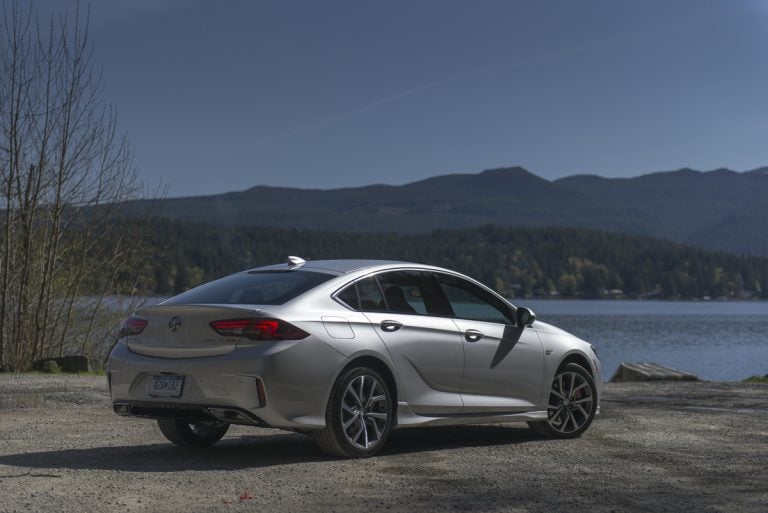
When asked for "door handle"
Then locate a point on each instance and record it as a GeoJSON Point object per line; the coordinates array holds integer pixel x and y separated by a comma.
{"type": "Point", "coordinates": [391, 325]}
{"type": "Point", "coordinates": [472, 335]}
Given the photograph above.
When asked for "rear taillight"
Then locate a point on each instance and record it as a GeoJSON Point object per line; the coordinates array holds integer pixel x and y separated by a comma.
{"type": "Point", "coordinates": [258, 329]}
{"type": "Point", "coordinates": [132, 326]}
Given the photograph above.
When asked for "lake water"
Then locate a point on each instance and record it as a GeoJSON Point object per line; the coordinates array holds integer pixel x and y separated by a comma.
{"type": "Point", "coordinates": [719, 341]}
{"type": "Point", "coordinates": [716, 340]}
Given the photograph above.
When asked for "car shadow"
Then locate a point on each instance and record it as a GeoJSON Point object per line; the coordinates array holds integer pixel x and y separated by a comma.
{"type": "Point", "coordinates": [258, 451]}
{"type": "Point", "coordinates": [509, 340]}
{"type": "Point", "coordinates": [456, 437]}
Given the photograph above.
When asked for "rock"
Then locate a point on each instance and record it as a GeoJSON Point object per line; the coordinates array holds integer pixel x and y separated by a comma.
{"type": "Point", "coordinates": [649, 372]}
{"type": "Point", "coordinates": [73, 363]}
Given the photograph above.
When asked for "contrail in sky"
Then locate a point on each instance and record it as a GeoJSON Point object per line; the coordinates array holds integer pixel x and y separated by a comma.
{"type": "Point", "coordinates": [375, 105]}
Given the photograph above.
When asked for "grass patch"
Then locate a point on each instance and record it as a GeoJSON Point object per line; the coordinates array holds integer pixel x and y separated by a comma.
{"type": "Point", "coordinates": [756, 379]}
{"type": "Point", "coordinates": [101, 372]}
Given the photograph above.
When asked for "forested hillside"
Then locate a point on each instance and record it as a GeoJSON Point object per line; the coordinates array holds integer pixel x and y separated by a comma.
{"type": "Point", "coordinates": [517, 261]}
{"type": "Point", "coordinates": [721, 210]}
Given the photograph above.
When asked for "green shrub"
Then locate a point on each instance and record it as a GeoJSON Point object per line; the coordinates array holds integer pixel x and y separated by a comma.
{"type": "Point", "coordinates": [51, 367]}
{"type": "Point", "coordinates": [757, 379]}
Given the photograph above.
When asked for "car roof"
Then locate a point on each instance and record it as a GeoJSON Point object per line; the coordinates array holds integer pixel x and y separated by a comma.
{"type": "Point", "coordinates": [340, 266]}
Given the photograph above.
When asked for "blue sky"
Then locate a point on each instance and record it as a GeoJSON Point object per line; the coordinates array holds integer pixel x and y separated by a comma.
{"type": "Point", "coordinates": [218, 96]}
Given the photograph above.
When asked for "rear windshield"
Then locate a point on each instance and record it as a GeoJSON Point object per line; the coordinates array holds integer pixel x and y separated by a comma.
{"type": "Point", "coordinates": [253, 288]}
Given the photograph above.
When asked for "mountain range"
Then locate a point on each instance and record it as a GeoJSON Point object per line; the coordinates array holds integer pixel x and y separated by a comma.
{"type": "Point", "coordinates": [721, 209]}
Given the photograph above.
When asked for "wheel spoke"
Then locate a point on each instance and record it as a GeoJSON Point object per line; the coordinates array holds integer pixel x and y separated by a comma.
{"type": "Point", "coordinates": [355, 396]}
{"type": "Point", "coordinates": [376, 429]}
{"type": "Point", "coordinates": [558, 394]}
{"type": "Point", "coordinates": [371, 393]}
{"type": "Point", "coordinates": [376, 399]}
{"type": "Point", "coordinates": [365, 432]}
{"type": "Point", "coordinates": [573, 420]}
{"type": "Point", "coordinates": [581, 401]}
{"type": "Point", "coordinates": [573, 382]}
{"type": "Point", "coordinates": [583, 411]}
{"type": "Point", "coordinates": [361, 394]}
{"type": "Point", "coordinates": [377, 416]}
{"type": "Point", "coordinates": [351, 420]}
{"type": "Point", "coordinates": [357, 434]}
{"type": "Point", "coordinates": [559, 425]}
{"type": "Point", "coordinates": [580, 387]}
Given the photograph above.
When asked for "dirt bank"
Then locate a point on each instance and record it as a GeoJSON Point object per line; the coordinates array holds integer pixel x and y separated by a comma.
{"type": "Point", "coordinates": [678, 447]}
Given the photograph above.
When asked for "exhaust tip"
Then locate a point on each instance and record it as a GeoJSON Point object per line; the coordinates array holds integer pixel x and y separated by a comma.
{"type": "Point", "coordinates": [231, 416]}
{"type": "Point", "coordinates": [121, 408]}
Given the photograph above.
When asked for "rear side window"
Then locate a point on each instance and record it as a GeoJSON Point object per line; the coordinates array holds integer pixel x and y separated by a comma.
{"type": "Point", "coordinates": [371, 299]}
{"type": "Point", "coordinates": [253, 288]}
{"type": "Point", "coordinates": [363, 295]}
{"type": "Point", "coordinates": [349, 297]}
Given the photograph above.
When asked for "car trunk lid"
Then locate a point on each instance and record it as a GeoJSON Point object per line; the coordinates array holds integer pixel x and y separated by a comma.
{"type": "Point", "coordinates": [184, 331]}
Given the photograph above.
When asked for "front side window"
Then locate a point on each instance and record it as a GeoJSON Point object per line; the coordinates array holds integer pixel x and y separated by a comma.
{"type": "Point", "coordinates": [253, 288]}
{"type": "Point", "coordinates": [404, 292]}
{"type": "Point", "coordinates": [469, 301]}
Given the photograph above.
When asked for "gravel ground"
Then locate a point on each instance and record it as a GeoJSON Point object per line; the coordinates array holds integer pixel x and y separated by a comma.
{"type": "Point", "coordinates": [678, 447]}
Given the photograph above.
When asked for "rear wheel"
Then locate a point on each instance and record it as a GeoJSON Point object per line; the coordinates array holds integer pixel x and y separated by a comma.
{"type": "Point", "coordinates": [359, 415]}
{"type": "Point", "coordinates": [192, 434]}
{"type": "Point", "coordinates": [572, 403]}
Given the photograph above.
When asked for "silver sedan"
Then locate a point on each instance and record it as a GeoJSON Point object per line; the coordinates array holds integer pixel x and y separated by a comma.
{"type": "Point", "coordinates": [347, 350]}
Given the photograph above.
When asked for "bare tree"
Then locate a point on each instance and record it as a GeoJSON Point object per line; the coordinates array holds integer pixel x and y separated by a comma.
{"type": "Point", "coordinates": [65, 175]}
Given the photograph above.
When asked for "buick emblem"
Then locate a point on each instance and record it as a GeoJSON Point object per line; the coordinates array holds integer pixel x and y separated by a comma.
{"type": "Point", "coordinates": [175, 323]}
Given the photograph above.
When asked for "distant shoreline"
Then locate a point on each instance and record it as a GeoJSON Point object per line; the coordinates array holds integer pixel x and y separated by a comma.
{"type": "Point", "coordinates": [633, 299]}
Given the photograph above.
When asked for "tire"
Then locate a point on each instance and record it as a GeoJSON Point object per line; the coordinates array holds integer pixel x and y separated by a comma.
{"type": "Point", "coordinates": [571, 405]}
{"type": "Point", "coordinates": [348, 432]}
{"type": "Point", "coordinates": [197, 434]}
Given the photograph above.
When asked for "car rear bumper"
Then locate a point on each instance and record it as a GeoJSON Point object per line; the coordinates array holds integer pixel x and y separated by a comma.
{"type": "Point", "coordinates": [295, 382]}
{"type": "Point", "coordinates": [159, 410]}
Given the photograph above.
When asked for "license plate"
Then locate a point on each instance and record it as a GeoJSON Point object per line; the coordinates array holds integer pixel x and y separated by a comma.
{"type": "Point", "coordinates": [166, 385]}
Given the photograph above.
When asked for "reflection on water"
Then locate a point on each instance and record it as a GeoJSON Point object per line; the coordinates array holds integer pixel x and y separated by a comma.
{"type": "Point", "coordinates": [723, 341]}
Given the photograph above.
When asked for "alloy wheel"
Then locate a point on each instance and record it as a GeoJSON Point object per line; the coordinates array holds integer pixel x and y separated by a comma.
{"type": "Point", "coordinates": [364, 412]}
{"type": "Point", "coordinates": [571, 401]}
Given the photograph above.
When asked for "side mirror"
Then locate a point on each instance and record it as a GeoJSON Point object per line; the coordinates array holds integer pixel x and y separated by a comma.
{"type": "Point", "coordinates": [524, 316]}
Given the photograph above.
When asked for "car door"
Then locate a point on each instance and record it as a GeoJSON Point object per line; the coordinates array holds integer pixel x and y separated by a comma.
{"type": "Point", "coordinates": [410, 314]}
{"type": "Point", "coordinates": [503, 363]}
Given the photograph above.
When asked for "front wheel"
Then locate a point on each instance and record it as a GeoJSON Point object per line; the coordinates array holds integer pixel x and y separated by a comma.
{"type": "Point", "coordinates": [572, 404]}
{"type": "Point", "coordinates": [195, 434]}
{"type": "Point", "coordinates": [359, 415]}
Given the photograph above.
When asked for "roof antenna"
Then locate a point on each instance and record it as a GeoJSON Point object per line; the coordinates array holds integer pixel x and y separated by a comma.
{"type": "Point", "coordinates": [294, 260]}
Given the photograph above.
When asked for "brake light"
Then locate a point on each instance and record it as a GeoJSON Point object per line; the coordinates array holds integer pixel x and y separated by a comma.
{"type": "Point", "coordinates": [132, 326]}
{"type": "Point", "coordinates": [258, 329]}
